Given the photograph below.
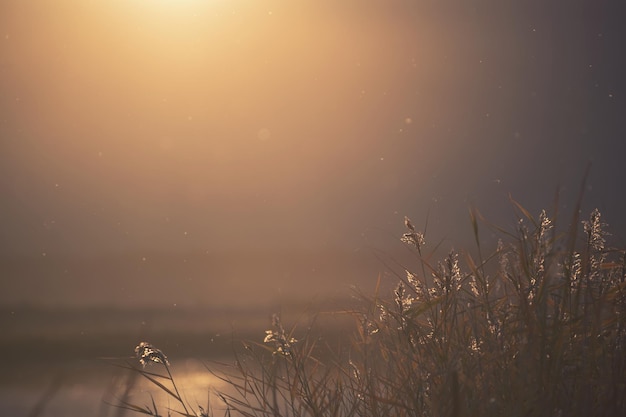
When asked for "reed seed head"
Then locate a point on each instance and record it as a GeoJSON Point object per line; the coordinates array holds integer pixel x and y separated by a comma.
{"type": "Point", "coordinates": [146, 353]}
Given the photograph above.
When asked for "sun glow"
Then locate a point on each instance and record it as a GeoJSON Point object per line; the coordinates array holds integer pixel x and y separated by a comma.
{"type": "Point", "coordinates": [215, 108]}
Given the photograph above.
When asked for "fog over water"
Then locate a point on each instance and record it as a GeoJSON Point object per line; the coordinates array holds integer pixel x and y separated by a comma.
{"type": "Point", "coordinates": [176, 171]}
{"type": "Point", "coordinates": [224, 153]}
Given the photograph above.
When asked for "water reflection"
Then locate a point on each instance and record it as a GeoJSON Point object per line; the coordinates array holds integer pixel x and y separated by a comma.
{"type": "Point", "coordinates": [71, 362]}
{"type": "Point", "coordinates": [77, 362]}
{"type": "Point", "coordinates": [94, 388]}
{"type": "Point", "coordinates": [194, 378]}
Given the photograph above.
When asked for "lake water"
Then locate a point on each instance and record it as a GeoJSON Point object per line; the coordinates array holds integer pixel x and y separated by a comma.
{"type": "Point", "coordinates": [91, 388]}
{"type": "Point", "coordinates": [67, 362]}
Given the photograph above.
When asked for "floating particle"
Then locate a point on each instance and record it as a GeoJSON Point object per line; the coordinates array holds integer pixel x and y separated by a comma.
{"type": "Point", "coordinates": [264, 134]}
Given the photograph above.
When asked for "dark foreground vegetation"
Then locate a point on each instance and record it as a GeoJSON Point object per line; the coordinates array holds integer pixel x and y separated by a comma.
{"type": "Point", "coordinates": [534, 326]}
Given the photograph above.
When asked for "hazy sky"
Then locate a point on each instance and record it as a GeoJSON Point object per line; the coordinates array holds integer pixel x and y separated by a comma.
{"type": "Point", "coordinates": [137, 129]}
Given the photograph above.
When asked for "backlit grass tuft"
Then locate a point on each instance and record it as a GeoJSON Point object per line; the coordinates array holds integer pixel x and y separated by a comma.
{"type": "Point", "coordinates": [535, 327]}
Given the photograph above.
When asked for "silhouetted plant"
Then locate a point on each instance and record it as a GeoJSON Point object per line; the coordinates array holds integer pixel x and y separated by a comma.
{"type": "Point", "coordinates": [535, 328]}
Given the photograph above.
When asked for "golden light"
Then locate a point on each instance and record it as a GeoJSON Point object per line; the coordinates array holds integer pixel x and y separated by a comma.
{"type": "Point", "coordinates": [195, 126]}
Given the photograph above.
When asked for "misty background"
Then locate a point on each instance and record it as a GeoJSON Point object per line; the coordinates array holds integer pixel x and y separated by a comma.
{"type": "Point", "coordinates": [229, 153]}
